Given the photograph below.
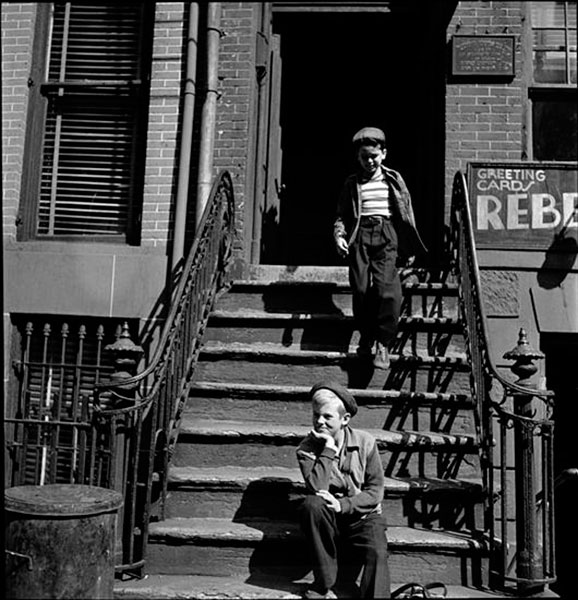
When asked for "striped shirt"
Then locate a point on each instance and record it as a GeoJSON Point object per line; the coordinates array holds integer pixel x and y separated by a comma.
{"type": "Point", "coordinates": [375, 196]}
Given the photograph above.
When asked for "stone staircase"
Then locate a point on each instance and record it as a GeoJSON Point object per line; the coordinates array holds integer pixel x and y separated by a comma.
{"type": "Point", "coordinates": [230, 528]}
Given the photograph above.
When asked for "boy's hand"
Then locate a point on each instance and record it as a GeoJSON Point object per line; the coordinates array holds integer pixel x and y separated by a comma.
{"type": "Point", "coordinates": [407, 268]}
{"type": "Point", "coordinates": [325, 438]}
{"type": "Point", "coordinates": [330, 500]}
{"type": "Point", "coordinates": [342, 246]}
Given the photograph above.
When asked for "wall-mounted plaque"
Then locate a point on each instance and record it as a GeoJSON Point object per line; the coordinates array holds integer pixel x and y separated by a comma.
{"type": "Point", "coordinates": [524, 205]}
{"type": "Point", "coordinates": [483, 55]}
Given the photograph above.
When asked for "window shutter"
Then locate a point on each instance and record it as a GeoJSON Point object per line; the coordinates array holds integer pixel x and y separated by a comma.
{"type": "Point", "coordinates": [94, 92]}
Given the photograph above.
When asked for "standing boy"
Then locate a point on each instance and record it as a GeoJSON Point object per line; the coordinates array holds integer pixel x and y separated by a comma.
{"type": "Point", "coordinates": [341, 517]}
{"type": "Point", "coordinates": [374, 217]}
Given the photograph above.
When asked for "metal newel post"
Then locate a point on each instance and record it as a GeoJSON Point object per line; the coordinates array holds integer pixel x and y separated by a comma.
{"type": "Point", "coordinates": [529, 567]}
{"type": "Point", "coordinates": [126, 357]}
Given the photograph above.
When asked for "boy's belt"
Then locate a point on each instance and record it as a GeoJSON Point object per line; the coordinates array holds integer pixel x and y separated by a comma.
{"type": "Point", "coordinates": [374, 218]}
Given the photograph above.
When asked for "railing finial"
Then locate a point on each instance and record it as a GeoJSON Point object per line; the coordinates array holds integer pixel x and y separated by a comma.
{"type": "Point", "coordinates": [524, 355]}
{"type": "Point", "coordinates": [126, 355]}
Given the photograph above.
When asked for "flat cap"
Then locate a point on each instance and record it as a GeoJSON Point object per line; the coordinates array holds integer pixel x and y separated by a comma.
{"type": "Point", "coordinates": [342, 393]}
{"type": "Point", "coordinates": [369, 133]}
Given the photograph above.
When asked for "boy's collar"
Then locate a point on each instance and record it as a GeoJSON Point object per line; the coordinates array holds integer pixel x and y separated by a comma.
{"type": "Point", "coordinates": [361, 173]}
{"type": "Point", "coordinates": [350, 439]}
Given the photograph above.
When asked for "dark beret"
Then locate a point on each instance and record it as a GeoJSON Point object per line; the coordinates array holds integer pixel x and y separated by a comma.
{"type": "Point", "coordinates": [342, 393]}
{"type": "Point", "coordinates": [369, 133]}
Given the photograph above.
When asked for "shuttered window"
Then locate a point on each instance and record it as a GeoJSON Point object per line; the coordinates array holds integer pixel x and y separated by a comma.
{"type": "Point", "coordinates": [94, 98]}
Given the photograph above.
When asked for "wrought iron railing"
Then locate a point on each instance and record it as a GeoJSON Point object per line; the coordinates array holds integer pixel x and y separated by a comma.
{"type": "Point", "coordinates": [512, 436]}
{"type": "Point", "coordinates": [137, 418]}
{"type": "Point", "coordinates": [78, 416]}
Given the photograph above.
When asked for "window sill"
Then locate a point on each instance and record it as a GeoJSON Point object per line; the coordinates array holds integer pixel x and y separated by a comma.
{"type": "Point", "coordinates": [81, 247]}
{"type": "Point", "coordinates": [554, 87]}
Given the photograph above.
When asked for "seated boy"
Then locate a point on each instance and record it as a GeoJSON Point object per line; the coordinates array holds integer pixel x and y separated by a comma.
{"type": "Point", "coordinates": [344, 476]}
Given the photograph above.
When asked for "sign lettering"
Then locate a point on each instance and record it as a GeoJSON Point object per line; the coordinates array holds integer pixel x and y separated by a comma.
{"type": "Point", "coordinates": [523, 205]}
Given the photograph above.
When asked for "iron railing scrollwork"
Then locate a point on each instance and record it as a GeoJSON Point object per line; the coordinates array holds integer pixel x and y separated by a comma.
{"type": "Point", "coordinates": [520, 529]}
{"type": "Point", "coordinates": [137, 419]}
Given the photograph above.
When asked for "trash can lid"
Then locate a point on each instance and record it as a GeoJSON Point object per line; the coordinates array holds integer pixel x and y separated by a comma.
{"type": "Point", "coordinates": [61, 500]}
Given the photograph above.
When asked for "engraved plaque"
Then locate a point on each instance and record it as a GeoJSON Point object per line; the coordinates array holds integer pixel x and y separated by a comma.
{"type": "Point", "coordinates": [483, 55]}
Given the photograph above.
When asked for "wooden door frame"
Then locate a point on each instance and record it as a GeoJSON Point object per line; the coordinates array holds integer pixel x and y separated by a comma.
{"type": "Point", "coordinates": [258, 171]}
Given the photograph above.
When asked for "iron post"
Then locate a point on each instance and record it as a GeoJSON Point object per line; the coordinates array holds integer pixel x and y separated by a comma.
{"type": "Point", "coordinates": [529, 569]}
{"type": "Point", "coordinates": [126, 357]}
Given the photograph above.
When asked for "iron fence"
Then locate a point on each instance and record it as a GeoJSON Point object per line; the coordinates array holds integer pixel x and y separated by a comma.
{"type": "Point", "coordinates": [49, 435]}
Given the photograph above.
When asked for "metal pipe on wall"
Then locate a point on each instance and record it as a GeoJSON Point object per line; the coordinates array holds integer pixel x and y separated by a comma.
{"type": "Point", "coordinates": [209, 113]}
{"type": "Point", "coordinates": [187, 137]}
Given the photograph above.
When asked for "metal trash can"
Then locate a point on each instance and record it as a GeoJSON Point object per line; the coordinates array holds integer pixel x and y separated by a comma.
{"type": "Point", "coordinates": [59, 541]}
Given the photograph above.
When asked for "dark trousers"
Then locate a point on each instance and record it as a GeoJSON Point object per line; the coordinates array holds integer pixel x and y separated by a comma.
{"type": "Point", "coordinates": [374, 280]}
{"type": "Point", "coordinates": [341, 546]}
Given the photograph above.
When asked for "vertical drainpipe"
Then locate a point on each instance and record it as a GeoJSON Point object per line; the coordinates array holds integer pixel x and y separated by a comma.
{"type": "Point", "coordinates": [186, 137]}
{"type": "Point", "coordinates": [209, 113]}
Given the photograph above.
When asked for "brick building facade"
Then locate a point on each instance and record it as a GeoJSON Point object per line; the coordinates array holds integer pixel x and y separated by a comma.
{"type": "Point", "coordinates": [463, 120]}
{"type": "Point", "coordinates": [295, 81]}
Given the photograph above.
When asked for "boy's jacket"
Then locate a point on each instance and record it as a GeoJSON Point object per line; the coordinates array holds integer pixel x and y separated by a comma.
{"type": "Point", "coordinates": [356, 478]}
{"type": "Point", "coordinates": [349, 213]}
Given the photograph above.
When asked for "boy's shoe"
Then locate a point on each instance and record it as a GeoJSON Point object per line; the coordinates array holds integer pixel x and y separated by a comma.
{"type": "Point", "coordinates": [313, 594]}
{"type": "Point", "coordinates": [381, 360]}
{"type": "Point", "coordinates": [365, 349]}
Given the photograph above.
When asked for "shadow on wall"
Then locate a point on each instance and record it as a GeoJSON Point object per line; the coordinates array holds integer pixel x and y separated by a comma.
{"type": "Point", "coordinates": [560, 258]}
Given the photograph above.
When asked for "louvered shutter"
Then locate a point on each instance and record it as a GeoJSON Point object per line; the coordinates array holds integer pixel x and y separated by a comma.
{"type": "Point", "coordinates": [94, 92]}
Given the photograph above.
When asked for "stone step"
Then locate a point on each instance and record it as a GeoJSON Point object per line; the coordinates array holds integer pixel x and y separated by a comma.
{"type": "Point", "coordinates": [214, 443]}
{"type": "Point", "coordinates": [262, 363]}
{"type": "Point", "coordinates": [253, 315]}
{"type": "Point", "coordinates": [221, 547]}
{"type": "Point", "coordinates": [427, 299]}
{"type": "Point", "coordinates": [392, 409]}
{"type": "Point", "coordinates": [409, 286]}
{"type": "Point", "coordinates": [300, 393]}
{"type": "Point", "coordinates": [241, 493]}
{"type": "Point", "coordinates": [325, 331]}
{"type": "Point", "coordinates": [338, 274]}
{"type": "Point", "coordinates": [198, 587]}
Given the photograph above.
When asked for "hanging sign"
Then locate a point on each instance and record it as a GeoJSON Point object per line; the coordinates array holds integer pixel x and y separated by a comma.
{"type": "Point", "coordinates": [483, 55]}
{"type": "Point", "coordinates": [524, 205]}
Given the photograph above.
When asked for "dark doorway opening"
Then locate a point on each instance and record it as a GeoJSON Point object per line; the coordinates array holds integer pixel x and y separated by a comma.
{"type": "Point", "coordinates": [561, 350]}
{"type": "Point", "coordinates": [341, 72]}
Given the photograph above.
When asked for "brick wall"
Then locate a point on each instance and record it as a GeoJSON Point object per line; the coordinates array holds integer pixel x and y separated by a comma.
{"type": "Point", "coordinates": [233, 131]}
{"type": "Point", "coordinates": [485, 121]}
{"type": "Point", "coordinates": [17, 36]}
{"type": "Point", "coordinates": [234, 136]}
{"type": "Point", "coordinates": [161, 164]}
{"type": "Point", "coordinates": [164, 122]}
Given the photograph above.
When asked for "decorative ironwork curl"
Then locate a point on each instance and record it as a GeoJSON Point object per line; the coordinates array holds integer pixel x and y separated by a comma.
{"type": "Point", "coordinates": [530, 423]}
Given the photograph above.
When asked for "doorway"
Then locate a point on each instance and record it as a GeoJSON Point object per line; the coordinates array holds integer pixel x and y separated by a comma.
{"type": "Point", "coordinates": [340, 72]}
